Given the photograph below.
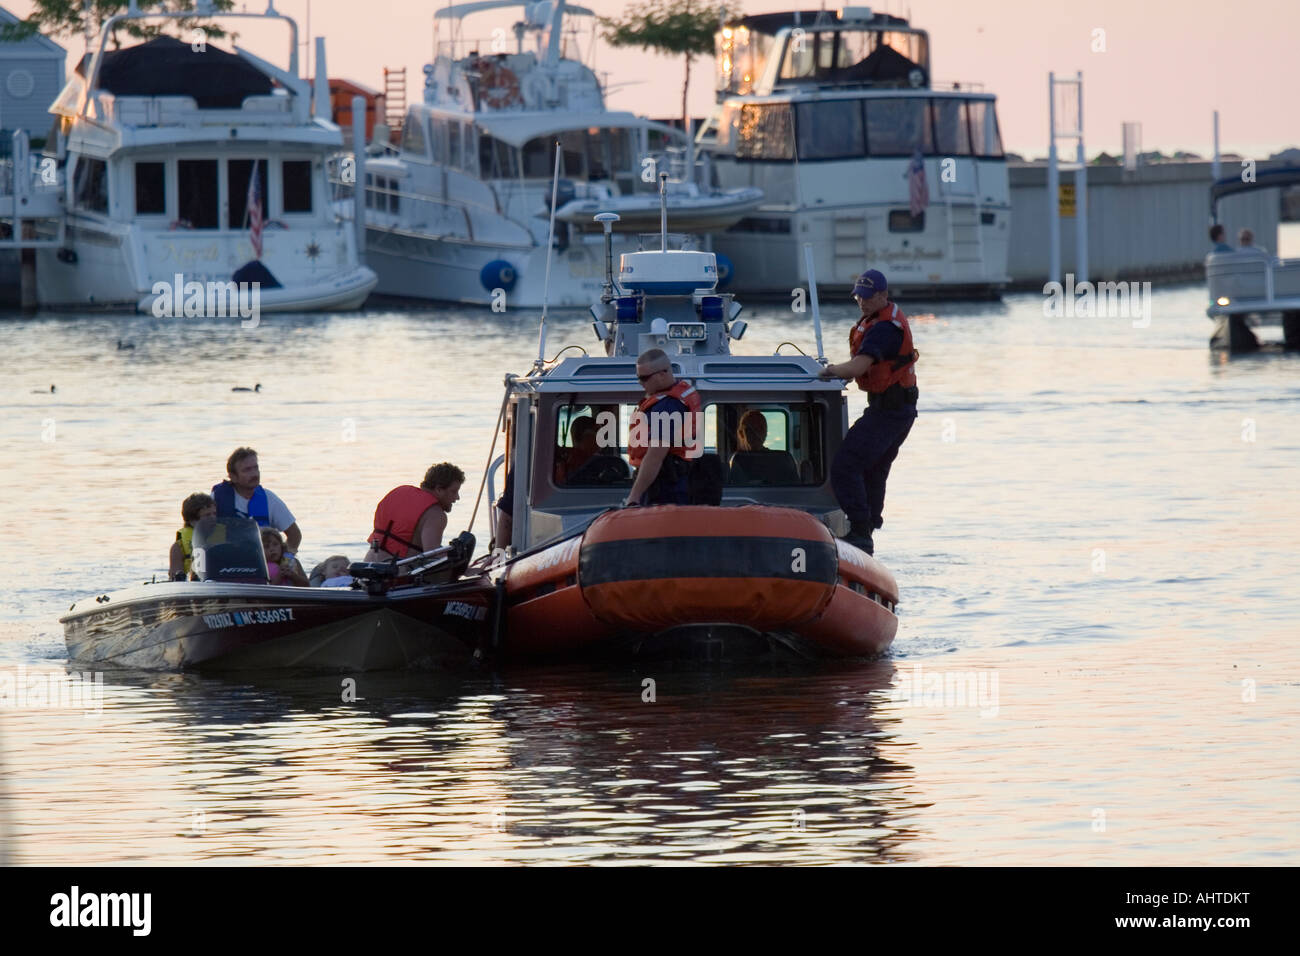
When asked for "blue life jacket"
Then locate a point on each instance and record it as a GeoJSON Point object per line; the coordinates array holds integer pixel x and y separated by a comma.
{"type": "Point", "coordinates": [259, 508]}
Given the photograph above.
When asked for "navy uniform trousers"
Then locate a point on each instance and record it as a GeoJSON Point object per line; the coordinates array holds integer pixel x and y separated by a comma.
{"type": "Point", "coordinates": [862, 464]}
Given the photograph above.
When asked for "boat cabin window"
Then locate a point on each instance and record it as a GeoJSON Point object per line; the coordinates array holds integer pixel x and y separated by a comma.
{"type": "Point", "coordinates": [295, 188]}
{"type": "Point", "coordinates": [765, 131]}
{"type": "Point", "coordinates": [414, 142]}
{"type": "Point", "coordinates": [91, 184]}
{"type": "Point", "coordinates": [774, 444]}
{"type": "Point", "coordinates": [985, 138]}
{"type": "Point", "coordinates": [742, 58]}
{"type": "Point", "coordinates": [196, 182]}
{"type": "Point", "coordinates": [382, 193]}
{"type": "Point", "coordinates": [951, 134]}
{"type": "Point", "coordinates": [880, 58]}
{"type": "Point", "coordinates": [898, 127]}
{"type": "Point", "coordinates": [831, 130]}
{"type": "Point", "coordinates": [497, 159]}
{"type": "Point", "coordinates": [597, 153]}
{"type": "Point", "coordinates": [902, 220]}
{"type": "Point", "coordinates": [150, 189]}
{"type": "Point", "coordinates": [239, 173]}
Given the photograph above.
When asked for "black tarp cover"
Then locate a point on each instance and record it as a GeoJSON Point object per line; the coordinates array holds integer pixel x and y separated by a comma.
{"type": "Point", "coordinates": [167, 67]}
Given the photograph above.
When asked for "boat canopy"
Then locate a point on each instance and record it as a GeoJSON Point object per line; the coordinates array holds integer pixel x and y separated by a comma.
{"type": "Point", "coordinates": [165, 66]}
{"type": "Point", "coordinates": [1268, 179]}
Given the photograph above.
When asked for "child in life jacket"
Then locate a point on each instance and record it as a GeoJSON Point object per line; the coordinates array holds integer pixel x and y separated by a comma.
{"type": "Point", "coordinates": [281, 568]}
{"type": "Point", "coordinates": [179, 559]}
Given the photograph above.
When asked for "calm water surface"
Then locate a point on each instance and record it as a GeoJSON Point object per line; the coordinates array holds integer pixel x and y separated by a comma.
{"type": "Point", "coordinates": [1093, 526]}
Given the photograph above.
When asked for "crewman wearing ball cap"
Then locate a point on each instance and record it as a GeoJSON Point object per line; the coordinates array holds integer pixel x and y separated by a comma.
{"type": "Point", "coordinates": [883, 363]}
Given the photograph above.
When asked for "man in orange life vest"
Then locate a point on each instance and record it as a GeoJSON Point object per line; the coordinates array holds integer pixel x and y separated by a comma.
{"type": "Point", "coordinates": [883, 364]}
{"type": "Point", "coordinates": [661, 467]}
{"type": "Point", "coordinates": [409, 520]}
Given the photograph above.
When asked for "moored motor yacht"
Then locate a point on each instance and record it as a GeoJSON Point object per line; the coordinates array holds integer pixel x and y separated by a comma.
{"type": "Point", "coordinates": [459, 212]}
{"type": "Point", "coordinates": [185, 167]}
{"type": "Point", "coordinates": [834, 115]}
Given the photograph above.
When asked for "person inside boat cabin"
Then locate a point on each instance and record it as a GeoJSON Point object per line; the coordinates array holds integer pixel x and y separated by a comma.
{"type": "Point", "coordinates": [883, 364]}
{"type": "Point", "coordinates": [660, 449]}
{"type": "Point", "coordinates": [193, 508]}
{"type": "Point", "coordinates": [570, 461]}
{"type": "Point", "coordinates": [409, 520]}
{"type": "Point", "coordinates": [242, 494]}
{"type": "Point", "coordinates": [281, 567]}
{"type": "Point", "coordinates": [1219, 237]}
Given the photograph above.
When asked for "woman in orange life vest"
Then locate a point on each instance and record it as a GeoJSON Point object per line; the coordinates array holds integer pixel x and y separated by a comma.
{"type": "Point", "coordinates": [661, 471]}
{"type": "Point", "coordinates": [883, 364]}
{"type": "Point", "coordinates": [409, 520]}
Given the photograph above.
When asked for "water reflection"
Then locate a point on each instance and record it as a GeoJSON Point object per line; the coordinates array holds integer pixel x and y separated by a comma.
{"type": "Point", "coordinates": [563, 764]}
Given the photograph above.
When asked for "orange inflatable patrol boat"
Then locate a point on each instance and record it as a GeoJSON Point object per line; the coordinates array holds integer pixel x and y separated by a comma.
{"type": "Point", "coordinates": [644, 578]}
{"type": "Point", "coordinates": [758, 567]}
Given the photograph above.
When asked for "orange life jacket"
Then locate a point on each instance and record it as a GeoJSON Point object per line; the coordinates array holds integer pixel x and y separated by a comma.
{"type": "Point", "coordinates": [887, 372]}
{"type": "Point", "coordinates": [685, 393]}
{"type": "Point", "coordinates": [396, 518]}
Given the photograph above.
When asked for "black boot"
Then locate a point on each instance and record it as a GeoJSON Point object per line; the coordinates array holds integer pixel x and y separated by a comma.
{"type": "Point", "coordinates": [860, 536]}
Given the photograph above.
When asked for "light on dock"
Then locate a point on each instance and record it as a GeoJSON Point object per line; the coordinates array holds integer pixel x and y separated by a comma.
{"type": "Point", "coordinates": [1222, 300]}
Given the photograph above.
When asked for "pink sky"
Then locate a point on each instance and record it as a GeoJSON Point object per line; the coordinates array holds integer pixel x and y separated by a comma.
{"type": "Point", "coordinates": [1167, 64]}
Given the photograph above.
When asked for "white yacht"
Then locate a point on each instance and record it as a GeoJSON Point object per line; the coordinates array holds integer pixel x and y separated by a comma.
{"type": "Point", "coordinates": [159, 144]}
{"type": "Point", "coordinates": [835, 118]}
{"type": "Point", "coordinates": [462, 209]}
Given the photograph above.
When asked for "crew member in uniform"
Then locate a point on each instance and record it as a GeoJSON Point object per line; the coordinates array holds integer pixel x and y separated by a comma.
{"type": "Point", "coordinates": [883, 364]}
{"type": "Point", "coordinates": [411, 520]}
{"type": "Point", "coordinates": [662, 471]}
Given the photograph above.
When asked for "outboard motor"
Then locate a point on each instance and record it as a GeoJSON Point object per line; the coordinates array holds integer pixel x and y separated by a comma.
{"type": "Point", "coordinates": [229, 549]}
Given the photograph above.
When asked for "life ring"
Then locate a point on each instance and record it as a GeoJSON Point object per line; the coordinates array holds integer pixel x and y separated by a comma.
{"type": "Point", "coordinates": [498, 87]}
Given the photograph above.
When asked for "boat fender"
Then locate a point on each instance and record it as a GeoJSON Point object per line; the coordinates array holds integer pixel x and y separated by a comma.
{"type": "Point", "coordinates": [498, 274]}
{"type": "Point", "coordinates": [725, 270]}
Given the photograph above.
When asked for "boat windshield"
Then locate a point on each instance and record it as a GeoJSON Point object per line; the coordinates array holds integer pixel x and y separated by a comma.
{"type": "Point", "coordinates": [776, 444]}
{"type": "Point", "coordinates": [229, 549]}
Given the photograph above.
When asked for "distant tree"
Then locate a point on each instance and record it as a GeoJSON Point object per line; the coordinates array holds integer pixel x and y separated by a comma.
{"type": "Point", "coordinates": [682, 27]}
{"type": "Point", "coordinates": [73, 17]}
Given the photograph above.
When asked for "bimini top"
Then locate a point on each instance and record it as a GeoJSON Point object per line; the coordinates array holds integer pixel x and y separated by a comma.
{"type": "Point", "coordinates": [770, 23]}
{"type": "Point", "coordinates": [1264, 179]}
{"type": "Point", "coordinates": [165, 66]}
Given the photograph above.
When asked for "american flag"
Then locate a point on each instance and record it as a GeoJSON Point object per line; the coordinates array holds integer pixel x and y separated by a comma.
{"type": "Point", "coordinates": [255, 212]}
{"type": "Point", "coordinates": [917, 189]}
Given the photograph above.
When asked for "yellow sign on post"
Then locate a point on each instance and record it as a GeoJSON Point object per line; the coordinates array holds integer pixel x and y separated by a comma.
{"type": "Point", "coordinates": [1065, 199]}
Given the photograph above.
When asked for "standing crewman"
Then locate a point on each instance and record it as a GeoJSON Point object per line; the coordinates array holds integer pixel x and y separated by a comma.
{"type": "Point", "coordinates": [883, 363]}
{"type": "Point", "coordinates": [670, 408]}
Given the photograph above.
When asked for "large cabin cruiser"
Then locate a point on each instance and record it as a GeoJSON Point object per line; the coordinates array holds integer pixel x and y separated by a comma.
{"type": "Point", "coordinates": [834, 116]}
{"type": "Point", "coordinates": [186, 168]}
{"type": "Point", "coordinates": [460, 212]}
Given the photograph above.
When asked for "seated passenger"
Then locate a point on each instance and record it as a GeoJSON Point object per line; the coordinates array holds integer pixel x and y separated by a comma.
{"type": "Point", "coordinates": [411, 520]}
{"type": "Point", "coordinates": [196, 506]}
{"type": "Point", "coordinates": [755, 464]}
{"type": "Point", "coordinates": [332, 573]}
{"type": "Point", "coordinates": [570, 460]}
{"type": "Point", "coordinates": [1246, 243]}
{"type": "Point", "coordinates": [281, 568]}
